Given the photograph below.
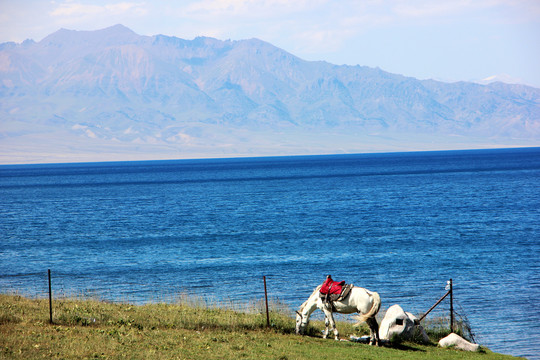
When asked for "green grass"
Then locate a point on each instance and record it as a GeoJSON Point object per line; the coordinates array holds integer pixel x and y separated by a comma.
{"type": "Point", "coordinates": [90, 329]}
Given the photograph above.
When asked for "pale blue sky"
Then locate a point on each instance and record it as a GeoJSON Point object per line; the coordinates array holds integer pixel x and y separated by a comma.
{"type": "Point", "coordinates": [446, 40]}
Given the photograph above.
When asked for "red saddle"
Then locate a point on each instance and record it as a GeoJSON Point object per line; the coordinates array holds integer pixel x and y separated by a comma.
{"type": "Point", "coordinates": [330, 286]}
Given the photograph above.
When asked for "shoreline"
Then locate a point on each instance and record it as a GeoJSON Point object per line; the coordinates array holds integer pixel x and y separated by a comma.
{"type": "Point", "coordinates": [92, 328]}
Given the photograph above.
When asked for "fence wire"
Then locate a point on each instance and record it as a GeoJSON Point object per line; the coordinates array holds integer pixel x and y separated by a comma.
{"type": "Point", "coordinates": [81, 286]}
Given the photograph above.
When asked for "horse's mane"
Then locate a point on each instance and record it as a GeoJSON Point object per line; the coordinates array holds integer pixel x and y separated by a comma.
{"type": "Point", "coordinates": [313, 293]}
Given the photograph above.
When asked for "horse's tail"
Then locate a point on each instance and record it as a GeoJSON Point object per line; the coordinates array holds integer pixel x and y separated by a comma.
{"type": "Point", "coordinates": [373, 311]}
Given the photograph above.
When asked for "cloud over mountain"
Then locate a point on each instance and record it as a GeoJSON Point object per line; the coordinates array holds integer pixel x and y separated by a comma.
{"type": "Point", "coordinates": [112, 95]}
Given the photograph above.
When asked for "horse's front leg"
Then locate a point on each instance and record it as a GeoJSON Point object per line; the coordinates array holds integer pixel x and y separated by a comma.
{"type": "Point", "coordinates": [330, 321]}
{"type": "Point", "coordinates": [327, 324]}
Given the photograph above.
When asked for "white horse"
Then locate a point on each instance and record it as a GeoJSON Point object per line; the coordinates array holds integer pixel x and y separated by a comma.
{"type": "Point", "coordinates": [364, 302]}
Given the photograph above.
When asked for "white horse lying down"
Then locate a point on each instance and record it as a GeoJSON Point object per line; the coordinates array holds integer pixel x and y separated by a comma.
{"type": "Point", "coordinates": [366, 303]}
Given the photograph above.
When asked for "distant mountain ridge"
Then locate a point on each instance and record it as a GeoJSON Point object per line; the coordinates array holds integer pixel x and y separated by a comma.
{"type": "Point", "coordinates": [114, 95]}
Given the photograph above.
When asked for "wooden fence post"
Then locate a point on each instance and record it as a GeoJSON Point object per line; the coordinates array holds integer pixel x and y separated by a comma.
{"type": "Point", "coordinates": [50, 298]}
{"type": "Point", "coordinates": [449, 292]}
{"type": "Point", "coordinates": [451, 307]}
{"type": "Point", "coordinates": [266, 301]}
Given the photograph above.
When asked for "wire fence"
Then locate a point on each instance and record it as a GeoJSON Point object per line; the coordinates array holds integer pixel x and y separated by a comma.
{"type": "Point", "coordinates": [61, 286]}
{"type": "Point", "coordinates": [17, 284]}
{"type": "Point", "coordinates": [85, 286]}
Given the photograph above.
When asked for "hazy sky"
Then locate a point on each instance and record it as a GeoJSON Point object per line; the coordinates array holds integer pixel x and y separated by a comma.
{"type": "Point", "coordinates": [445, 40]}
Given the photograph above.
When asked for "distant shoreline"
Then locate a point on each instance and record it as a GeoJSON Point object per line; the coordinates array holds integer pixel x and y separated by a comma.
{"type": "Point", "coordinates": [134, 159]}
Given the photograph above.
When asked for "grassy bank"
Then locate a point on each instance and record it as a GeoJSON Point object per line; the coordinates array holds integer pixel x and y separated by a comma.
{"type": "Point", "coordinates": [88, 329]}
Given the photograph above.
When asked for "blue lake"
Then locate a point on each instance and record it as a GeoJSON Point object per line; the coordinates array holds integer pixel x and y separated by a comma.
{"type": "Point", "coordinates": [401, 224]}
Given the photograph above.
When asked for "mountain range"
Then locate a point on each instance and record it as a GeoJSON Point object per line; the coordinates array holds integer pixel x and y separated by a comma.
{"type": "Point", "coordinates": [112, 94]}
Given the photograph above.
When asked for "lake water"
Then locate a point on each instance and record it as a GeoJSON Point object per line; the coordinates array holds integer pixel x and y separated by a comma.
{"type": "Point", "coordinates": [401, 224]}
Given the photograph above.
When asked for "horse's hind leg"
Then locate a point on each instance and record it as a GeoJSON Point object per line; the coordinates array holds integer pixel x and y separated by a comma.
{"type": "Point", "coordinates": [373, 331]}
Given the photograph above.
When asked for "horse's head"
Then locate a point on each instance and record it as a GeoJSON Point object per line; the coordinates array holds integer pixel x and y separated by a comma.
{"type": "Point", "coordinates": [301, 323]}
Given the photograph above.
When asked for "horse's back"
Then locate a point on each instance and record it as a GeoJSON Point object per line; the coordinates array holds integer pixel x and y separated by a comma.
{"type": "Point", "coordinates": [365, 300]}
